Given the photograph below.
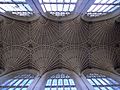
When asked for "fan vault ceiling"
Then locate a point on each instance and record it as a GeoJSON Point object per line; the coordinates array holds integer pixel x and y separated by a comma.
{"type": "Point", "coordinates": [44, 45]}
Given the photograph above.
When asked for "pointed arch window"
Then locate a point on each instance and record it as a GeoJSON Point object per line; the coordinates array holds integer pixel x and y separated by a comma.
{"type": "Point", "coordinates": [102, 82]}
{"type": "Point", "coordinates": [19, 82]}
{"type": "Point", "coordinates": [60, 81]}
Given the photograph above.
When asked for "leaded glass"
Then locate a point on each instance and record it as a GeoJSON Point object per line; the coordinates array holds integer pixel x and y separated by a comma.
{"type": "Point", "coordinates": [19, 82]}
{"type": "Point", "coordinates": [58, 7]}
{"type": "Point", "coordinates": [17, 7]}
{"type": "Point", "coordinates": [102, 82]}
{"type": "Point", "coordinates": [103, 7]}
{"type": "Point", "coordinates": [60, 81]}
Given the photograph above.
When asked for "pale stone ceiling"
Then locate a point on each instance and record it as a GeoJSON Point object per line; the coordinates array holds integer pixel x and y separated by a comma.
{"type": "Point", "coordinates": [44, 45]}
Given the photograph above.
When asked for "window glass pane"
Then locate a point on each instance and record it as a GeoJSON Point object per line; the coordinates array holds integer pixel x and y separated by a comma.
{"type": "Point", "coordinates": [60, 82]}
{"type": "Point", "coordinates": [6, 83]}
{"type": "Point", "coordinates": [53, 1]}
{"type": "Point", "coordinates": [103, 88]}
{"type": "Point", "coordinates": [66, 82]}
{"type": "Point", "coordinates": [102, 7]}
{"type": "Point", "coordinates": [5, 1]}
{"type": "Point", "coordinates": [48, 7]}
{"type": "Point", "coordinates": [49, 82]}
{"type": "Point", "coordinates": [17, 89]}
{"type": "Point", "coordinates": [71, 82]}
{"type": "Point", "coordinates": [47, 88]}
{"type": "Point", "coordinates": [54, 7]}
{"type": "Point", "coordinates": [73, 88]}
{"type": "Point", "coordinates": [66, 7]}
{"type": "Point", "coordinates": [102, 82]}
{"type": "Point", "coordinates": [72, 6]}
{"type": "Point", "coordinates": [19, 0]}
{"type": "Point", "coordinates": [110, 88]}
{"type": "Point", "coordinates": [91, 82]}
{"type": "Point", "coordinates": [96, 88]}
{"type": "Point", "coordinates": [54, 82]}
{"type": "Point", "coordinates": [58, 7]}
{"type": "Point", "coordinates": [53, 88]}
{"type": "Point", "coordinates": [113, 81]}
{"type": "Point", "coordinates": [96, 82]}
{"type": "Point", "coordinates": [46, 1]}
{"type": "Point", "coordinates": [43, 8]}
{"type": "Point", "coordinates": [24, 89]}
{"type": "Point", "coordinates": [24, 82]}
{"type": "Point", "coordinates": [29, 82]}
{"type": "Point", "coordinates": [67, 1]}
{"type": "Point", "coordinates": [67, 88]}
{"type": "Point", "coordinates": [73, 1]}
{"type": "Point", "coordinates": [60, 1]}
{"type": "Point", "coordinates": [18, 82]}
{"type": "Point", "coordinates": [60, 88]}
{"type": "Point", "coordinates": [12, 82]}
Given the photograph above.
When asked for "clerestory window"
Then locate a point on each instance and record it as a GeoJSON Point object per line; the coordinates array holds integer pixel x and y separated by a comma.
{"type": "Point", "coordinates": [19, 82]}
{"type": "Point", "coordinates": [102, 82]}
{"type": "Point", "coordinates": [58, 7]}
{"type": "Point", "coordinates": [60, 81]}
{"type": "Point", "coordinates": [103, 7]}
{"type": "Point", "coordinates": [17, 7]}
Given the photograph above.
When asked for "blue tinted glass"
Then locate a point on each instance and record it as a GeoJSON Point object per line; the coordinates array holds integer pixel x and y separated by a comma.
{"type": "Point", "coordinates": [17, 89]}
{"type": "Point", "coordinates": [18, 82]}
{"type": "Point", "coordinates": [60, 82]}
{"type": "Point", "coordinates": [53, 89]}
{"type": "Point", "coordinates": [99, 79]}
{"type": "Point", "coordinates": [91, 82]}
{"type": "Point", "coordinates": [71, 82]}
{"type": "Point", "coordinates": [110, 88]}
{"type": "Point", "coordinates": [60, 88]}
{"type": "Point", "coordinates": [67, 88]}
{"type": "Point", "coordinates": [49, 81]}
{"type": "Point", "coordinates": [96, 88]}
{"type": "Point", "coordinates": [66, 82]}
{"type": "Point", "coordinates": [24, 89]}
{"type": "Point", "coordinates": [47, 88]}
{"type": "Point", "coordinates": [29, 82]}
{"type": "Point", "coordinates": [103, 88]}
{"type": "Point", "coordinates": [73, 88]}
{"type": "Point", "coordinates": [4, 89]}
{"type": "Point", "coordinates": [96, 82]}
{"type": "Point", "coordinates": [54, 82]}
{"type": "Point", "coordinates": [24, 82]}
{"type": "Point", "coordinates": [5, 83]}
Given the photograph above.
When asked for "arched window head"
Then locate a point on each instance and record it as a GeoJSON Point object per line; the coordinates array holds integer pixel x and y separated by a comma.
{"type": "Point", "coordinates": [60, 81]}
{"type": "Point", "coordinates": [102, 82]}
{"type": "Point", "coordinates": [19, 82]}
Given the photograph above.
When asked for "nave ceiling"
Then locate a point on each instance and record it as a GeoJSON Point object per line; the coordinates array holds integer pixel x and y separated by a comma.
{"type": "Point", "coordinates": [45, 45]}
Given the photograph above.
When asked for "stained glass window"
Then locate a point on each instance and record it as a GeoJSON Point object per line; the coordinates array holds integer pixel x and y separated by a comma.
{"type": "Point", "coordinates": [19, 82]}
{"type": "Point", "coordinates": [102, 7]}
{"type": "Point", "coordinates": [102, 82]}
{"type": "Point", "coordinates": [60, 81]}
{"type": "Point", "coordinates": [58, 7]}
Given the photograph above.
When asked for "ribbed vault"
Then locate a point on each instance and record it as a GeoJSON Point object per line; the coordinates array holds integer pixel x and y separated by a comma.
{"type": "Point", "coordinates": [44, 44]}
